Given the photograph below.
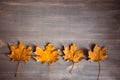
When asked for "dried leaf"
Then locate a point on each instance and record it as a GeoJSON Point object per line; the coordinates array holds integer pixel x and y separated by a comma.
{"type": "Point", "coordinates": [98, 54]}
{"type": "Point", "coordinates": [49, 55]}
{"type": "Point", "coordinates": [20, 53]}
{"type": "Point", "coordinates": [73, 54]}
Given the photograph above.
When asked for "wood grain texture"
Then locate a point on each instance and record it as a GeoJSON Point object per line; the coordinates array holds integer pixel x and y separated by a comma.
{"type": "Point", "coordinates": [62, 22]}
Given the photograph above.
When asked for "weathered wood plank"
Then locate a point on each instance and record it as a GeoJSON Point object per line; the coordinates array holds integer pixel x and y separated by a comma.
{"type": "Point", "coordinates": [61, 22]}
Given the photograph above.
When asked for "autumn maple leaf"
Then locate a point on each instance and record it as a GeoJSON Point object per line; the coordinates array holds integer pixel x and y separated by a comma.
{"type": "Point", "coordinates": [73, 54]}
{"type": "Point", "coordinates": [49, 55]}
{"type": "Point", "coordinates": [98, 54]}
{"type": "Point", "coordinates": [20, 54]}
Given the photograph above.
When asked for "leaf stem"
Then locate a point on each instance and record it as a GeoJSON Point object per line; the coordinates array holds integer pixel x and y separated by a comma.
{"type": "Point", "coordinates": [98, 70]}
{"type": "Point", "coordinates": [50, 75]}
{"type": "Point", "coordinates": [16, 74]}
{"type": "Point", "coordinates": [72, 68]}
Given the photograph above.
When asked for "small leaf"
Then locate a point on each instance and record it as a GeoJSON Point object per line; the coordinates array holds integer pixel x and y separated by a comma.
{"type": "Point", "coordinates": [97, 54]}
{"type": "Point", "coordinates": [49, 55]}
{"type": "Point", "coordinates": [73, 54]}
{"type": "Point", "coordinates": [20, 54]}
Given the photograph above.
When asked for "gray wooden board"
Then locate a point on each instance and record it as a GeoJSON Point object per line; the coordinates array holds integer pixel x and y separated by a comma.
{"type": "Point", "coordinates": [61, 22]}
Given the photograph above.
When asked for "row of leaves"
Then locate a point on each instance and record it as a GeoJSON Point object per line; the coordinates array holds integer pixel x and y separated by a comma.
{"type": "Point", "coordinates": [50, 55]}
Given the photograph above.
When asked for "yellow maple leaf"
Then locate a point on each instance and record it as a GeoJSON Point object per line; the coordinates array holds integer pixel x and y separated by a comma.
{"type": "Point", "coordinates": [49, 55]}
{"type": "Point", "coordinates": [73, 54]}
{"type": "Point", "coordinates": [97, 54]}
{"type": "Point", "coordinates": [20, 53]}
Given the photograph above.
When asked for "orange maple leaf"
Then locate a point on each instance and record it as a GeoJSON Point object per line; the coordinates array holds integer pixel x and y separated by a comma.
{"type": "Point", "coordinates": [97, 54]}
{"type": "Point", "coordinates": [73, 54]}
{"type": "Point", "coordinates": [49, 55]}
{"type": "Point", "coordinates": [20, 54]}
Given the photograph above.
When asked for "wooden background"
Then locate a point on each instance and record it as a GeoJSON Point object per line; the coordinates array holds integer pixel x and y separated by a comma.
{"type": "Point", "coordinates": [61, 22]}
